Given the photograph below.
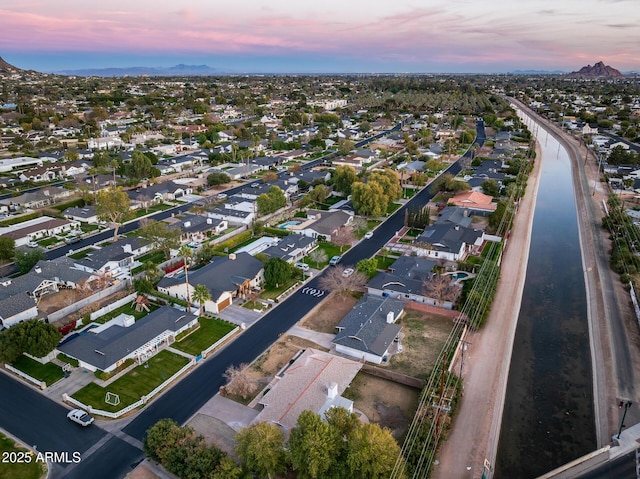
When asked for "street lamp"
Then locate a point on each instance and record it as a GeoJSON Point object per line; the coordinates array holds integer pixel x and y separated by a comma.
{"type": "Point", "coordinates": [626, 405]}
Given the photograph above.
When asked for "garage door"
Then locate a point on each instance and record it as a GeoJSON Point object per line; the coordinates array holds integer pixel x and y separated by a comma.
{"type": "Point", "coordinates": [224, 303]}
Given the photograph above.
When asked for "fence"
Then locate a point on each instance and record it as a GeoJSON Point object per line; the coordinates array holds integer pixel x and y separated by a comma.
{"type": "Point", "coordinates": [41, 384]}
{"type": "Point", "coordinates": [61, 313]}
{"type": "Point", "coordinates": [393, 376]}
{"type": "Point", "coordinates": [141, 402]}
{"type": "Point", "coordinates": [113, 306]}
{"type": "Point", "coordinates": [219, 342]}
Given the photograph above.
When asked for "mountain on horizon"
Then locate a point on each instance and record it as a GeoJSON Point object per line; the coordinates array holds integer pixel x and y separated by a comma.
{"type": "Point", "coordinates": [537, 72]}
{"type": "Point", "coordinates": [6, 67]}
{"type": "Point", "coordinates": [599, 70]}
{"type": "Point", "coordinates": [176, 70]}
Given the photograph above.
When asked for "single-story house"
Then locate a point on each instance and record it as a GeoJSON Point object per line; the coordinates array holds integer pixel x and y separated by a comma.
{"type": "Point", "coordinates": [38, 228]}
{"type": "Point", "coordinates": [232, 216]}
{"type": "Point", "coordinates": [475, 201]}
{"type": "Point", "coordinates": [292, 248]}
{"type": "Point", "coordinates": [196, 228]}
{"type": "Point", "coordinates": [321, 223]}
{"type": "Point", "coordinates": [369, 330]}
{"type": "Point", "coordinates": [116, 259]}
{"type": "Point", "coordinates": [108, 346]}
{"type": "Point", "coordinates": [448, 241]}
{"type": "Point", "coordinates": [225, 278]}
{"type": "Point", "coordinates": [85, 214]}
{"type": "Point", "coordinates": [312, 381]}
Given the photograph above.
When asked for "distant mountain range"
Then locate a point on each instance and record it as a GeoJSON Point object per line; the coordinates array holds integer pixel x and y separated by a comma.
{"type": "Point", "coordinates": [599, 70]}
{"type": "Point", "coordinates": [177, 70]}
{"type": "Point", "coordinates": [537, 72]}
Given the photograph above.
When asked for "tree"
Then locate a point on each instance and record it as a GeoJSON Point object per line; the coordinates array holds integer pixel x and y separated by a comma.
{"type": "Point", "coordinates": [313, 447]}
{"type": "Point", "coordinates": [33, 337]}
{"type": "Point", "coordinates": [228, 469]}
{"type": "Point", "coordinates": [240, 381]}
{"type": "Point", "coordinates": [345, 146]}
{"type": "Point", "coordinates": [261, 448]}
{"type": "Point", "coordinates": [269, 176]}
{"type": "Point", "coordinates": [342, 237]}
{"type": "Point", "coordinates": [187, 254]}
{"type": "Point", "coordinates": [25, 260]}
{"type": "Point", "coordinates": [214, 179]}
{"type": "Point", "coordinates": [369, 199]}
{"type": "Point", "coordinates": [368, 267]}
{"type": "Point", "coordinates": [271, 201]}
{"type": "Point", "coordinates": [140, 167]}
{"type": "Point", "coordinates": [334, 280]}
{"type": "Point", "coordinates": [372, 452]}
{"type": "Point", "coordinates": [490, 187]}
{"type": "Point", "coordinates": [201, 295]}
{"type": "Point", "coordinates": [318, 256]}
{"type": "Point", "coordinates": [343, 177]}
{"type": "Point", "coordinates": [319, 193]}
{"type": "Point", "coordinates": [276, 272]}
{"type": "Point", "coordinates": [7, 248]}
{"type": "Point", "coordinates": [159, 233]}
{"type": "Point", "coordinates": [112, 204]}
{"type": "Point", "coordinates": [359, 226]}
{"type": "Point", "coordinates": [441, 288]}
{"type": "Point", "coordinates": [417, 217]}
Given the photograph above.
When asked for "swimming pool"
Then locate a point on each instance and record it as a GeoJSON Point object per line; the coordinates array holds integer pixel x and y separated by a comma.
{"type": "Point", "coordinates": [288, 223]}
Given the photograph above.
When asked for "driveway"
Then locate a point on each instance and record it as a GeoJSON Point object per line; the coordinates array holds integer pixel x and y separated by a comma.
{"type": "Point", "coordinates": [237, 315]}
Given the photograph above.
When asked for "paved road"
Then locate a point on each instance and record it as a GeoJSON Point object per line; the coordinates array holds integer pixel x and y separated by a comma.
{"type": "Point", "coordinates": [43, 422]}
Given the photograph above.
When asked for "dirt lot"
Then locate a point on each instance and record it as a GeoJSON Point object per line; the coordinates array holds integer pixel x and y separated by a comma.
{"type": "Point", "coordinates": [384, 402]}
{"type": "Point", "coordinates": [324, 319]}
{"type": "Point", "coordinates": [424, 337]}
{"type": "Point", "coordinates": [267, 365]}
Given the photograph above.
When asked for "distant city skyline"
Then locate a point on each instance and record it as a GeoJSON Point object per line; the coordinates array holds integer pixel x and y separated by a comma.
{"type": "Point", "coordinates": [333, 36]}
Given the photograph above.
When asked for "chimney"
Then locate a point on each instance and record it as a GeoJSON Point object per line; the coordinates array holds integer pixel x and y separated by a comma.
{"type": "Point", "coordinates": [127, 248]}
{"type": "Point", "coordinates": [209, 221]}
{"type": "Point", "coordinates": [38, 270]}
{"type": "Point", "coordinates": [390, 317]}
{"type": "Point", "coordinates": [232, 256]}
{"type": "Point", "coordinates": [332, 391]}
{"type": "Point", "coordinates": [187, 224]}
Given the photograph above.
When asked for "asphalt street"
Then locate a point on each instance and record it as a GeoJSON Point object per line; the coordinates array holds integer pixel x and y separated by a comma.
{"type": "Point", "coordinates": [34, 419]}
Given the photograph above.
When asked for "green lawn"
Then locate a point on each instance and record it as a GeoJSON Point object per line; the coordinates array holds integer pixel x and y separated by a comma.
{"type": "Point", "coordinates": [49, 373]}
{"type": "Point", "coordinates": [273, 293]}
{"type": "Point", "coordinates": [155, 256]}
{"type": "Point", "coordinates": [392, 207]}
{"type": "Point", "coordinates": [210, 331]}
{"type": "Point", "coordinates": [152, 209]}
{"type": "Point", "coordinates": [81, 254]}
{"type": "Point", "coordinates": [135, 384]}
{"type": "Point", "coordinates": [49, 241]}
{"type": "Point", "coordinates": [385, 263]}
{"type": "Point", "coordinates": [88, 228]}
{"type": "Point", "coordinates": [126, 309]}
{"type": "Point", "coordinates": [330, 249]}
{"type": "Point", "coordinates": [18, 470]}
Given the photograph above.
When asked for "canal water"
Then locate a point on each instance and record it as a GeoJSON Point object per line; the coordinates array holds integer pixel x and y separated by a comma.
{"type": "Point", "coordinates": [548, 419]}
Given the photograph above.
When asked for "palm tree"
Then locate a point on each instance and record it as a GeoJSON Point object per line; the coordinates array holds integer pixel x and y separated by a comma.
{"type": "Point", "coordinates": [187, 254]}
{"type": "Point", "coordinates": [201, 295]}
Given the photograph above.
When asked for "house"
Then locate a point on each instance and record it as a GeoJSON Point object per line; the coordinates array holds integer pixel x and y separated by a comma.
{"type": "Point", "coordinates": [166, 191]}
{"type": "Point", "coordinates": [39, 198]}
{"type": "Point", "coordinates": [115, 260]}
{"type": "Point", "coordinates": [196, 228]}
{"type": "Point", "coordinates": [369, 330]}
{"type": "Point", "coordinates": [476, 202]}
{"type": "Point", "coordinates": [321, 224]}
{"type": "Point", "coordinates": [292, 248]}
{"type": "Point", "coordinates": [312, 381]}
{"type": "Point", "coordinates": [448, 241]}
{"type": "Point", "coordinates": [42, 173]}
{"type": "Point", "coordinates": [38, 228]}
{"type": "Point", "coordinates": [108, 346]}
{"type": "Point", "coordinates": [406, 280]}
{"type": "Point", "coordinates": [232, 216]}
{"type": "Point", "coordinates": [225, 278]}
{"type": "Point", "coordinates": [85, 214]}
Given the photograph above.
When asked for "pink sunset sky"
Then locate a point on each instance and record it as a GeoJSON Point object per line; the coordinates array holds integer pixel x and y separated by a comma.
{"type": "Point", "coordinates": [325, 36]}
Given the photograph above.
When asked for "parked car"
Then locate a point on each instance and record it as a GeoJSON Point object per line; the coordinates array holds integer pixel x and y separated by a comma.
{"type": "Point", "coordinates": [348, 272]}
{"type": "Point", "coordinates": [368, 235]}
{"type": "Point", "coordinates": [32, 244]}
{"type": "Point", "coordinates": [302, 266]}
{"type": "Point", "coordinates": [221, 196]}
{"type": "Point", "coordinates": [81, 417]}
{"type": "Point", "coordinates": [335, 260]}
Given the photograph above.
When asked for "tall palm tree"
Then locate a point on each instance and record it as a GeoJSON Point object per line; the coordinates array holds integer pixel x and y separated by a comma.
{"type": "Point", "coordinates": [201, 295]}
{"type": "Point", "coordinates": [187, 254]}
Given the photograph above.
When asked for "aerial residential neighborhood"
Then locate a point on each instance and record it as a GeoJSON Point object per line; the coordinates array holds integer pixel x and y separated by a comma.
{"type": "Point", "coordinates": [274, 253]}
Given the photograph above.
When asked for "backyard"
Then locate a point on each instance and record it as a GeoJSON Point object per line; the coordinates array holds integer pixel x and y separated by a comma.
{"type": "Point", "coordinates": [49, 372]}
{"type": "Point", "coordinates": [136, 383]}
{"type": "Point", "coordinates": [424, 336]}
{"type": "Point", "coordinates": [326, 316]}
{"type": "Point", "coordinates": [210, 331]}
{"type": "Point", "coordinates": [127, 309]}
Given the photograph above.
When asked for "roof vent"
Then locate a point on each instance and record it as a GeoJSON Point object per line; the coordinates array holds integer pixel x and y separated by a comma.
{"type": "Point", "coordinates": [390, 317]}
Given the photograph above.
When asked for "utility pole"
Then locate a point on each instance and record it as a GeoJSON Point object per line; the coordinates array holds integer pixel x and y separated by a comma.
{"type": "Point", "coordinates": [626, 404]}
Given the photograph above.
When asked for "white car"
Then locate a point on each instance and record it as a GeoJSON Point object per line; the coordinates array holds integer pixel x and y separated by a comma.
{"type": "Point", "coordinates": [221, 196]}
{"type": "Point", "coordinates": [32, 244]}
{"type": "Point", "coordinates": [348, 272]}
{"type": "Point", "coordinates": [302, 266]}
{"type": "Point", "coordinates": [80, 416]}
{"type": "Point", "coordinates": [368, 235]}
